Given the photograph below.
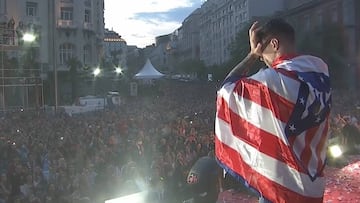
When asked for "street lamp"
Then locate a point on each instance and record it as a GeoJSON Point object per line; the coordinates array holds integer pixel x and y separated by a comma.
{"type": "Point", "coordinates": [118, 70]}
{"type": "Point", "coordinates": [29, 37]}
{"type": "Point", "coordinates": [97, 71]}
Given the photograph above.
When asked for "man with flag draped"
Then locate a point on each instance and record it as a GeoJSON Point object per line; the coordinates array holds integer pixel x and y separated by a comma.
{"type": "Point", "coordinates": [272, 127]}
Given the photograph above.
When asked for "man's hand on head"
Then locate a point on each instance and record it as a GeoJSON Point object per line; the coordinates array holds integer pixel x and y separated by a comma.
{"type": "Point", "coordinates": [255, 42]}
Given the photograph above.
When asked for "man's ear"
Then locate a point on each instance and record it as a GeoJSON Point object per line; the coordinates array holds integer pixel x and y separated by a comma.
{"type": "Point", "coordinates": [275, 44]}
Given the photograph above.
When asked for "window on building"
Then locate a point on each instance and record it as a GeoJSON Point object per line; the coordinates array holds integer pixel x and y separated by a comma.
{"type": "Point", "coordinates": [2, 7]}
{"type": "Point", "coordinates": [66, 13]}
{"type": "Point", "coordinates": [87, 3]}
{"type": "Point", "coordinates": [87, 16]}
{"type": "Point", "coordinates": [320, 18]}
{"type": "Point", "coordinates": [66, 52]}
{"type": "Point", "coordinates": [334, 15]}
{"type": "Point", "coordinates": [31, 8]}
{"type": "Point", "coordinates": [307, 22]}
{"type": "Point", "coordinates": [87, 54]}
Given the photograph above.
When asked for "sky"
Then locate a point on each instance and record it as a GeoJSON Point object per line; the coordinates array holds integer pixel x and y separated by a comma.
{"type": "Point", "coordinates": [140, 21]}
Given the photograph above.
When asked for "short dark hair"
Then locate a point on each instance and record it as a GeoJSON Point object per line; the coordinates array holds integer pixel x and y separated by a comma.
{"type": "Point", "coordinates": [277, 27]}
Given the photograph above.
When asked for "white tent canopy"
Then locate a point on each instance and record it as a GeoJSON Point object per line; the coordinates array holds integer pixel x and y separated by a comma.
{"type": "Point", "coordinates": [148, 72]}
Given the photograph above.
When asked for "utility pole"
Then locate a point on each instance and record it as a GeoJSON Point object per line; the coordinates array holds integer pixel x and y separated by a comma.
{"type": "Point", "coordinates": [52, 13]}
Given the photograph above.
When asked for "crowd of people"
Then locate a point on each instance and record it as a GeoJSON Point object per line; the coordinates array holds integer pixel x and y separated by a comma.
{"type": "Point", "coordinates": [148, 143]}
{"type": "Point", "coordinates": [345, 123]}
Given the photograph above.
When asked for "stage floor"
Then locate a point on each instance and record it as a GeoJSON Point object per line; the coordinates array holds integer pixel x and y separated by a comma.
{"type": "Point", "coordinates": [342, 185]}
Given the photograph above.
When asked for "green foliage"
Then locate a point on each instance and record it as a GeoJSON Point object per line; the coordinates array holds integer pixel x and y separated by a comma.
{"type": "Point", "coordinates": [192, 66]}
{"type": "Point", "coordinates": [134, 63]}
{"type": "Point", "coordinates": [29, 59]}
{"type": "Point", "coordinates": [240, 48]}
{"type": "Point", "coordinates": [115, 57]}
{"type": "Point", "coordinates": [218, 72]}
{"type": "Point", "coordinates": [74, 65]}
{"type": "Point", "coordinates": [238, 51]}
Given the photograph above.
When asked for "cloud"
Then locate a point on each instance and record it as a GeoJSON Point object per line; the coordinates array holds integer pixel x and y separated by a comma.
{"type": "Point", "coordinates": [140, 21]}
{"type": "Point", "coordinates": [177, 14]}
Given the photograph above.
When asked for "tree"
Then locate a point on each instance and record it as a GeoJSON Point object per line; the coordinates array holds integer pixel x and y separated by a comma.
{"type": "Point", "coordinates": [74, 64]}
{"type": "Point", "coordinates": [134, 63]}
{"type": "Point", "coordinates": [239, 50]}
{"type": "Point", "coordinates": [192, 66]}
{"type": "Point", "coordinates": [218, 72]}
{"type": "Point", "coordinates": [115, 57]}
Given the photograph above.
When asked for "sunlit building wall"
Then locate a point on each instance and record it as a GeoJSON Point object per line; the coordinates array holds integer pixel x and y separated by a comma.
{"type": "Point", "coordinates": [188, 43]}
{"type": "Point", "coordinates": [73, 28]}
{"type": "Point", "coordinates": [158, 54]}
{"type": "Point", "coordinates": [23, 63]}
{"type": "Point", "coordinates": [115, 48]}
{"type": "Point", "coordinates": [21, 16]}
{"type": "Point", "coordinates": [221, 20]}
{"type": "Point", "coordinates": [64, 29]}
{"type": "Point", "coordinates": [79, 31]}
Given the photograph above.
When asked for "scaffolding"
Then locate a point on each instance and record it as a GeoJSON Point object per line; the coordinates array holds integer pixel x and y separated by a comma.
{"type": "Point", "coordinates": [21, 77]}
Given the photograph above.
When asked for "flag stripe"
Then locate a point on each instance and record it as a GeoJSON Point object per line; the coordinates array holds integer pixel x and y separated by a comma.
{"type": "Point", "coordinates": [305, 63]}
{"type": "Point", "coordinates": [265, 163]}
{"type": "Point", "coordinates": [259, 93]}
{"type": "Point", "coordinates": [255, 136]}
{"type": "Point", "coordinates": [274, 81]}
{"type": "Point", "coordinates": [278, 189]}
{"type": "Point", "coordinates": [249, 111]}
{"type": "Point", "coordinates": [306, 153]}
{"type": "Point", "coordinates": [320, 153]}
{"type": "Point", "coordinates": [313, 164]}
{"type": "Point", "coordinates": [299, 144]}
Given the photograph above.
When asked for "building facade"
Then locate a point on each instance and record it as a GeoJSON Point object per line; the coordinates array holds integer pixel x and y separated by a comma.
{"type": "Point", "coordinates": [63, 29]}
{"type": "Point", "coordinates": [115, 49]}
{"type": "Point", "coordinates": [221, 20]}
{"type": "Point", "coordinates": [308, 16]}
{"type": "Point", "coordinates": [188, 39]}
{"type": "Point", "coordinates": [157, 53]}
{"type": "Point", "coordinates": [78, 31]}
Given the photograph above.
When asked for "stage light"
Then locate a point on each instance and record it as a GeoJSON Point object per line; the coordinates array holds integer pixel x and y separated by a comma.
{"type": "Point", "coordinates": [140, 197]}
{"type": "Point", "coordinates": [335, 151]}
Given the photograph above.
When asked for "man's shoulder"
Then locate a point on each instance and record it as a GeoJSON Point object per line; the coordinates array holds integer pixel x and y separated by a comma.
{"type": "Point", "coordinates": [304, 63]}
{"type": "Point", "coordinates": [262, 73]}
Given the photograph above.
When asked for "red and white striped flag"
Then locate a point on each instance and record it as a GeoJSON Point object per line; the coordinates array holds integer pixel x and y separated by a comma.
{"type": "Point", "coordinates": [271, 129]}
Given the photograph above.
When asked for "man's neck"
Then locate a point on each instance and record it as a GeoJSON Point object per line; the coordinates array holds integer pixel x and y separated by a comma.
{"type": "Point", "coordinates": [282, 57]}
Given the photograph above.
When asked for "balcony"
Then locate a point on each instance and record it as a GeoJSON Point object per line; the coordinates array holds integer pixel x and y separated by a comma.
{"type": "Point", "coordinates": [8, 38]}
{"type": "Point", "coordinates": [66, 24]}
{"type": "Point", "coordinates": [34, 20]}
